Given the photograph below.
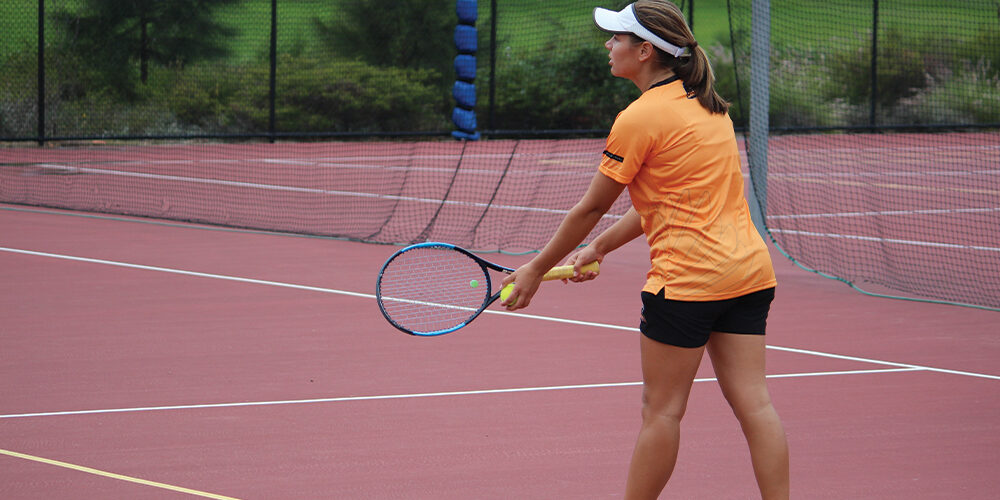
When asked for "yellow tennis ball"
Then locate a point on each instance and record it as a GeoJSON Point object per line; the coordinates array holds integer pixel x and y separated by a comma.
{"type": "Point", "coordinates": [473, 283]}
{"type": "Point", "coordinates": [505, 292]}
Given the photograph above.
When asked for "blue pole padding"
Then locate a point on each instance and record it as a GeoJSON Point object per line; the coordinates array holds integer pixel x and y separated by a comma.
{"type": "Point", "coordinates": [465, 119]}
{"type": "Point", "coordinates": [464, 94]}
{"type": "Point", "coordinates": [467, 11]}
{"type": "Point", "coordinates": [466, 39]}
{"type": "Point", "coordinates": [464, 90]}
{"type": "Point", "coordinates": [465, 67]}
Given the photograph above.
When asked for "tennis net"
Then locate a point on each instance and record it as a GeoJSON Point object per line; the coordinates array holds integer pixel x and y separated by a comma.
{"type": "Point", "coordinates": [873, 142]}
{"type": "Point", "coordinates": [871, 128]}
{"type": "Point", "coordinates": [498, 195]}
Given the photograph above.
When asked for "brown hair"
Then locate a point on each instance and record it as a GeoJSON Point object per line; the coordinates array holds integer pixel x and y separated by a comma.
{"type": "Point", "coordinates": [665, 20]}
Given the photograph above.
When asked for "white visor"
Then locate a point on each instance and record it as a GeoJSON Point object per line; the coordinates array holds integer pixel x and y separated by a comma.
{"type": "Point", "coordinates": [626, 22]}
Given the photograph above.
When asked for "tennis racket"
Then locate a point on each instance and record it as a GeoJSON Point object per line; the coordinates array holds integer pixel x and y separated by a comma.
{"type": "Point", "coordinates": [436, 288]}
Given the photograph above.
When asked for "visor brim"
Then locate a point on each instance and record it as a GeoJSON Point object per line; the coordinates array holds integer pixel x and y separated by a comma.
{"type": "Point", "coordinates": [609, 21]}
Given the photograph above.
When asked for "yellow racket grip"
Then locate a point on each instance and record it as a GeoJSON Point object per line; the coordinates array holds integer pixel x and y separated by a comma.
{"type": "Point", "coordinates": [566, 272]}
{"type": "Point", "coordinates": [556, 273]}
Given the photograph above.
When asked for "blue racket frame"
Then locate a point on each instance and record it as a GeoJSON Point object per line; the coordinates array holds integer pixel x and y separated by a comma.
{"type": "Point", "coordinates": [488, 298]}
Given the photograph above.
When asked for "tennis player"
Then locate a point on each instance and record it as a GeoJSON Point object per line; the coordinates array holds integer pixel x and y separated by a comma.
{"type": "Point", "coordinates": [711, 280]}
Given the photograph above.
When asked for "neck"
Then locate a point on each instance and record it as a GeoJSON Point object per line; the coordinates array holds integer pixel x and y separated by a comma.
{"type": "Point", "coordinates": [644, 82]}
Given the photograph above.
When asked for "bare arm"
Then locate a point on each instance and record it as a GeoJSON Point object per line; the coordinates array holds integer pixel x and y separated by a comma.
{"type": "Point", "coordinates": [628, 228]}
{"type": "Point", "coordinates": [577, 224]}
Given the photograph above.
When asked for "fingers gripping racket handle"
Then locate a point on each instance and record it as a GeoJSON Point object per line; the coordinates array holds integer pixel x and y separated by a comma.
{"type": "Point", "coordinates": [556, 273]}
{"type": "Point", "coordinates": [565, 272]}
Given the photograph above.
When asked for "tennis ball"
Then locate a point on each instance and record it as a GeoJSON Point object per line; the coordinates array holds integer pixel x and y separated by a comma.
{"type": "Point", "coordinates": [505, 292]}
{"type": "Point", "coordinates": [473, 283]}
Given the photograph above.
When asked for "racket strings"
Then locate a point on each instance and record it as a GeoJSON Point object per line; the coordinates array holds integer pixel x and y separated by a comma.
{"type": "Point", "coordinates": [432, 289]}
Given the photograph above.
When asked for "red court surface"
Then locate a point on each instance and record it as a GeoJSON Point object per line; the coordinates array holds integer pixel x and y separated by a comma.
{"type": "Point", "coordinates": [144, 359]}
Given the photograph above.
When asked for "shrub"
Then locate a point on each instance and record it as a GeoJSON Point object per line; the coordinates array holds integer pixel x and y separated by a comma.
{"type": "Point", "coordinates": [971, 95]}
{"type": "Point", "coordinates": [571, 89]}
{"type": "Point", "coordinates": [18, 96]}
{"type": "Point", "coordinates": [316, 95]}
{"type": "Point", "coordinates": [202, 96]}
{"type": "Point", "coordinates": [900, 69]}
{"type": "Point", "coordinates": [411, 34]}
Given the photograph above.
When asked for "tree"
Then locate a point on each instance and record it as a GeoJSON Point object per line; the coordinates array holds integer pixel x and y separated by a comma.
{"type": "Point", "coordinates": [404, 34]}
{"type": "Point", "coordinates": [114, 35]}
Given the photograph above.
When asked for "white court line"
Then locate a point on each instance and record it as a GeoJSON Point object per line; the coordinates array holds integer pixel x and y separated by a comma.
{"type": "Point", "coordinates": [488, 311]}
{"type": "Point", "coordinates": [936, 211]}
{"type": "Point", "coordinates": [369, 164]}
{"type": "Point", "coordinates": [295, 189]}
{"type": "Point", "coordinates": [283, 285]}
{"type": "Point", "coordinates": [420, 395]}
{"type": "Point", "coordinates": [923, 173]}
{"type": "Point", "coordinates": [950, 246]}
{"type": "Point", "coordinates": [855, 151]}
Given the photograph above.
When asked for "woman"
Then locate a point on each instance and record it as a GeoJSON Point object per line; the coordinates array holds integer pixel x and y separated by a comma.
{"type": "Point", "coordinates": [711, 282]}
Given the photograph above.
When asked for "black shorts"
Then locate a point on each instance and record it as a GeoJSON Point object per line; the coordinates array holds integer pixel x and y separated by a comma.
{"type": "Point", "coordinates": [688, 324]}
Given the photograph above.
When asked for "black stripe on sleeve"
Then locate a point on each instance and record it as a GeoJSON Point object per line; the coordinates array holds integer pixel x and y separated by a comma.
{"type": "Point", "coordinates": [613, 156]}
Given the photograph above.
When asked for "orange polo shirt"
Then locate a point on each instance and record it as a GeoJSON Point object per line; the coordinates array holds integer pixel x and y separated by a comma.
{"type": "Point", "coordinates": [682, 168]}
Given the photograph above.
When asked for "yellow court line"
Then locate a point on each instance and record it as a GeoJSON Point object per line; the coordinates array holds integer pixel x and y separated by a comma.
{"type": "Point", "coordinates": [113, 475]}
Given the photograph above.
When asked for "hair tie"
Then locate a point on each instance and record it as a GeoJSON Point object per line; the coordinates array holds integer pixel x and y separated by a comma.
{"type": "Point", "coordinates": [694, 44]}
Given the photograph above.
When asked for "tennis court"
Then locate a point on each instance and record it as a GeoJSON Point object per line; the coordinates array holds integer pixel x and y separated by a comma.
{"type": "Point", "coordinates": [144, 358]}
{"type": "Point", "coordinates": [188, 309]}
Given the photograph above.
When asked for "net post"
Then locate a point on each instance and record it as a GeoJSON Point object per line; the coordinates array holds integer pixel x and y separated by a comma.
{"type": "Point", "coordinates": [493, 62]}
{"type": "Point", "coordinates": [874, 75]}
{"type": "Point", "coordinates": [41, 72]}
{"type": "Point", "coordinates": [272, 81]}
{"type": "Point", "coordinates": [760, 95]}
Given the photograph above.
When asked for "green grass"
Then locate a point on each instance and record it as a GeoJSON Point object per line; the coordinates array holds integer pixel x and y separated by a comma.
{"type": "Point", "coordinates": [711, 22]}
{"type": "Point", "coordinates": [251, 19]}
{"type": "Point", "coordinates": [19, 25]}
{"type": "Point", "coordinates": [518, 19]}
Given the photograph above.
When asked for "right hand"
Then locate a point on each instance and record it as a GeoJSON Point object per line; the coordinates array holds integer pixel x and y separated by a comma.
{"type": "Point", "coordinates": [582, 257]}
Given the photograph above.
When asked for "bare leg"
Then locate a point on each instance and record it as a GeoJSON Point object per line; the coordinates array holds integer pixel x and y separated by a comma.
{"type": "Point", "coordinates": [667, 374]}
{"type": "Point", "coordinates": [739, 366]}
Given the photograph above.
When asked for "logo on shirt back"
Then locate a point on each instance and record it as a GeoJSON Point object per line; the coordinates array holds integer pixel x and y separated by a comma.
{"type": "Point", "coordinates": [691, 94]}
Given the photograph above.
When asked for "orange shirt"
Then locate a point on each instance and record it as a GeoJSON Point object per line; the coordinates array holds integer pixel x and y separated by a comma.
{"type": "Point", "coordinates": [682, 168]}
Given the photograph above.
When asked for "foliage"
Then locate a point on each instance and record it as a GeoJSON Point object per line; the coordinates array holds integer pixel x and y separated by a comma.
{"type": "Point", "coordinates": [567, 89]}
{"type": "Point", "coordinates": [113, 35]}
{"type": "Point", "coordinates": [318, 95]}
{"type": "Point", "coordinates": [18, 103]}
{"type": "Point", "coordinates": [411, 34]}
{"type": "Point", "coordinates": [900, 69]}
{"type": "Point", "coordinates": [385, 66]}
{"type": "Point", "coordinates": [970, 95]}
{"type": "Point", "coordinates": [313, 95]}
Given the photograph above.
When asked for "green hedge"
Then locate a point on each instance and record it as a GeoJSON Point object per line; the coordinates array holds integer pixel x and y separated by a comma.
{"type": "Point", "coordinates": [561, 87]}
{"type": "Point", "coordinates": [312, 95]}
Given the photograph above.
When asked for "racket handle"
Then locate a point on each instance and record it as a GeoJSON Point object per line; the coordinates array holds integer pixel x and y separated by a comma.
{"type": "Point", "coordinates": [556, 273]}
{"type": "Point", "coordinates": [566, 272]}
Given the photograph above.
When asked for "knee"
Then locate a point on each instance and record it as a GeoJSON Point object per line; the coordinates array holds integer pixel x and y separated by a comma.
{"type": "Point", "coordinates": [658, 409]}
{"type": "Point", "coordinates": [750, 406]}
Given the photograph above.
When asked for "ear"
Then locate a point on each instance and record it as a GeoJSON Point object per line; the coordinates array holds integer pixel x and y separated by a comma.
{"type": "Point", "coordinates": [646, 50]}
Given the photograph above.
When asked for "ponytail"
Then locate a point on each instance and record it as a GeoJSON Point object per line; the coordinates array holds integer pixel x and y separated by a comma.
{"type": "Point", "coordinates": [693, 68]}
{"type": "Point", "coordinates": [696, 73]}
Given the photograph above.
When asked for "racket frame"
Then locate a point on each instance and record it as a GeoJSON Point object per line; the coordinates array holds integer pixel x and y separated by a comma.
{"type": "Point", "coordinates": [489, 296]}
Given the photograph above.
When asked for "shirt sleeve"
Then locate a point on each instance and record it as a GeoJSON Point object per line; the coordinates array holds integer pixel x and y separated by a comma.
{"type": "Point", "coordinates": [626, 149]}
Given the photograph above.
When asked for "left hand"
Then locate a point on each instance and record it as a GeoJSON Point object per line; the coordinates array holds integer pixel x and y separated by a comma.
{"type": "Point", "coordinates": [526, 280]}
